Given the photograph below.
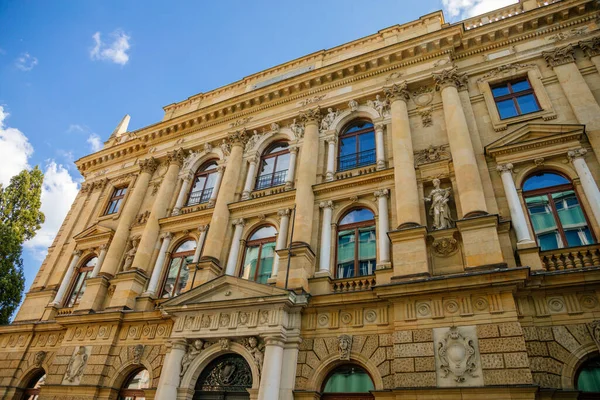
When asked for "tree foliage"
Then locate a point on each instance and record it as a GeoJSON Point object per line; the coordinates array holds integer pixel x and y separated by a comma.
{"type": "Point", "coordinates": [20, 218]}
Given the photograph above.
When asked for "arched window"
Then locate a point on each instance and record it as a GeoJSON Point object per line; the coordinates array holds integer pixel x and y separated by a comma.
{"type": "Point", "coordinates": [178, 273]}
{"type": "Point", "coordinates": [204, 183]}
{"type": "Point", "coordinates": [134, 386]}
{"type": "Point", "coordinates": [274, 164]}
{"type": "Point", "coordinates": [228, 377]}
{"type": "Point", "coordinates": [34, 385]}
{"type": "Point", "coordinates": [356, 244]}
{"type": "Point", "coordinates": [260, 252]}
{"type": "Point", "coordinates": [555, 212]}
{"type": "Point", "coordinates": [78, 287]}
{"type": "Point", "coordinates": [587, 379]}
{"type": "Point", "coordinates": [357, 145]}
{"type": "Point", "coordinates": [346, 381]}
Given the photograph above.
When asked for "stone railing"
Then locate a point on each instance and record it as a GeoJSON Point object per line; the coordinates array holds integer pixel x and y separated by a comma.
{"type": "Point", "coordinates": [267, 192]}
{"type": "Point", "coordinates": [65, 311]}
{"type": "Point", "coordinates": [353, 284]}
{"type": "Point", "coordinates": [572, 257]}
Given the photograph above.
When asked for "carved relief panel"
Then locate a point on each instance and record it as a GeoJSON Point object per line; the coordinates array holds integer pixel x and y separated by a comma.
{"type": "Point", "coordinates": [457, 358]}
{"type": "Point", "coordinates": [77, 365]}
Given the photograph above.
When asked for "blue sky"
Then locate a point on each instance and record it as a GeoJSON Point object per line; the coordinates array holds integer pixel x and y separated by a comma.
{"type": "Point", "coordinates": [70, 70]}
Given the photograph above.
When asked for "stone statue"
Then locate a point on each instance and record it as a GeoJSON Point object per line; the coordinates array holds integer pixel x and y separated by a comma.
{"type": "Point", "coordinates": [225, 148]}
{"type": "Point", "coordinates": [439, 210]}
{"type": "Point", "coordinates": [380, 105]}
{"type": "Point", "coordinates": [327, 121]}
{"type": "Point", "coordinates": [353, 104]}
{"type": "Point", "coordinates": [76, 364]}
{"type": "Point", "coordinates": [257, 352]}
{"type": "Point", "coordinates": [297, 129]}
{"type": "Point", "coordinates": [130, 254]}
{"type": "Point", "coordinates": [193, 351]}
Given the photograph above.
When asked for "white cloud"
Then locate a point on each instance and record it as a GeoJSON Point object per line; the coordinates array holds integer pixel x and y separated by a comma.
{"type": "Point", "coordinates": [25, 62]}
{"type": "Point", "coordinates": [95, 142]}
{"type": "Point", "coordinates": [77, 128]}
{"type": "Point", "coordinates": [470, 8]}
{"type": "Point", "coordinates": [58, 193]}
{"type": "Point", "coordinates": [15, 150]}
{"type": "Point", "coordinates": [115, 52]}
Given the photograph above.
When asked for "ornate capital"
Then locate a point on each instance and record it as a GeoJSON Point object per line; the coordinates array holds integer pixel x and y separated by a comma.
{"type": "Point", "coordinates": [167, 236]}
{"type": "Point", "coordinates": [311, 115]}
{"type": "Point", "coordinates": [591, 47]}
{"type": "Point", "coordinates": [326, 204]}
{"type": "Point", "coordinates": [237, 138]}
{"type": "Point", "coordinates": [77, 253]}
{"type": "Point", "coordinates": [331, 139]}
{"type": "Point", "coordinates": [508, 167]}
{"type": "Point", "coordinates": [293, 149]}
{"type": "Point", "coordinates": [560, 56]}
{"type": "Point", "coordinates": [221, 168]}
{"type": "Point", "coordinates": [379, 126]}
{"type": "Point", "coordinates": [283, 213]}
{"type": "Point", "coordinates": [253, 159]}
{"type": "Point", "coordinates": [176, 157]}
{"type": "Point", "coordinates": [381, 193]}
{"type": "Point", "coordinates": [177, 344]}
{"type": "Point", "coordinates": [398, 91]}
{"type": "Point", "coordinates": [103, 246]}
{"type": "Point", "coordinates": [578, 153]}
{"type": "Point", "coordinates": [148, 165]}
{"type": "Point", "coordinates": [450, 77]}
{"type": "Point", "coordinates": [239, 221]}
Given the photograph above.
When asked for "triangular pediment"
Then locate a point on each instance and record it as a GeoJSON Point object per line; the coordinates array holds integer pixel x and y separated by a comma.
{"type": "Point", "coordinates": [534, 135]}
{"type": "Point", "coordinates": [93, 236]}
{"type": "Point", "coordinates": [228, 289]}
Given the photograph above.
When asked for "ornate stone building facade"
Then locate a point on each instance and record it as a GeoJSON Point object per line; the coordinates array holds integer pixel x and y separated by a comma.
{"type": "Point", "coordinates": [415, 213]}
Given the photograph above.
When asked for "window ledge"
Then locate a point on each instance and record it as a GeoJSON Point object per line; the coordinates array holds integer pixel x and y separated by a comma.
{"type": "Point", "coordinates": [547, 115]}
{"type": "Point", "coordinates": [268, 191]}
{"type": "Point", "coordinates": [349, 173]}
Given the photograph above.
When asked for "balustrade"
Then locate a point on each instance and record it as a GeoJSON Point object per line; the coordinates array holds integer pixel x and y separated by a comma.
{"type": "Point", "coordinates": [570, 258]}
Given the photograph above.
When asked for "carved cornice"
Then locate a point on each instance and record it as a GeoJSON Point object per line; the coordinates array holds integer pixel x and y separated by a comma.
{"type": "Point", "coordinates": [450, 77]}
{"type": "Point", "coordinates": [560, 56]}
{"type": "Point", "coordinates": [398, 91]}
{"type": "Point", "coordinates": [149, 165]}
{"type": "Point", "coordinates": [591, 47]}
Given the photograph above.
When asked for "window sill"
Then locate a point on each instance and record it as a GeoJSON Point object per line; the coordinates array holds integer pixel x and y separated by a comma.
{"type": "Point", "coordinates": [547, 115]}
{"type": "Point", "coordinates": [349, 173]}
{"type": "Point", "coordinates": [268, 191]}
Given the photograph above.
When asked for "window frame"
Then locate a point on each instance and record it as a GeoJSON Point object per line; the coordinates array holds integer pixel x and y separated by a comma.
{"type": "Point", "coordinates": [202, 171]}
{"type": "Point", "coordinates": [356, 134]}
{"type": "Point", "coordinates": [172, 256]}
{"type": "Point", "coordinates": [514, 95]}
{"type": "Point", "coordinates": [31, 390]}
{"type": "Point", "coordinates": [83, 268]}
{"type": "Point", "coordinates": [260, 243]}
{"type": "Point", "coordinates": [116, 198]}
{"type": "Point", "coordinates": [266, 156]}
{"type": "Point", "coordinates": [356, 226]}
{"type": "Point", "coordinates": [135, 393]}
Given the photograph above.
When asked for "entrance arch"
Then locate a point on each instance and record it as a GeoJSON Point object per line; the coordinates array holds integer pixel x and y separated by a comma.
{"type": "Point", "coordinates": [227, 377]}
{"type": "Point", "coordinates": [348, 382]}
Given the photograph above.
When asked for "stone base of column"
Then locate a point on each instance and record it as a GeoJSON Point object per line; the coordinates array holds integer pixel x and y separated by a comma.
{"type": "Point", "coordinates": [128, 286]}
{"type": "Point", "coordinates": [529, 253]}
{"type": "Point", "coordinates": [320, 285]}
{"type": "Point", "coordinates": [207, 269]}
{"type": "Point", "coordinates": [409, 253]}
{"type": "Point", "coordinates": [302, 265]}
{"type": "Point", "coordinates": [481, 245]}
{"type": "Point", "coordinates": [94, 296]}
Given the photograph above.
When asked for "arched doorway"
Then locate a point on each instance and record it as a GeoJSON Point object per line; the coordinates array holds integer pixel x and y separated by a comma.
{"type": "Point", "coordinates": [587, 380]}
{"type": "Point", "coordinates": [348, 382]}
{"type": "Point", "coordinates": [134, 386]}
{"type": "Point", "coordinates": [34, 385]}
{"type": "Point", "coordinates": [226, 378]}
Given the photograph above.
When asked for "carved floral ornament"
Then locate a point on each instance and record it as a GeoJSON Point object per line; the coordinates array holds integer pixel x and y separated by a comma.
{"type": "Point", "coordinates": [445, 247]}
{"type": "Point", "coordinates": [504, 70]}
{"type": "Point", "coordinates": [398, 91]}
{"type": "Point", "coordinates": [148, 165]}
{"type": "Point", "coordinates": [560, 56]}
{"type": "Point", "coordinates": [432, 154]}
{"type": "Point", "coordinates": [591, 47]}
{"type": "Point", "coordinates": [450, 77]}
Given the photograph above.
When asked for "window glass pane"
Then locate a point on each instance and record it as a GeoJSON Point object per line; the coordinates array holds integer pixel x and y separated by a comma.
{"type": "Point", "coordinates": [189, 245]}
{"type": "Point", "coordinates": [527, 104]}
{"type": "Point", "coordinates": [500, 91]}
{"type": "Point", "coordinates": [506, 108]}
{"type": "Point", "coordinates": [283, 162]}
{"type": "Point", "coordinates": [549, 241]}
{"type": "Point", "coordinates": [544, 180]}
{"type": "Point", "coordinates": [348, 146]}
{"type": "Point", "coordinates": [589, 376]}
{"type": "Point", "coordinates": [366, 141]}
{"type": "Point", "coordinates": [571, 218]}
{"type": "Point", "coordinates": [277, 148]}
{"type": "Point", "coordinates": [367, 248]}
{"type": "Point", "coordinates": [183, 275]}
{"type": "Point", "coordinates": [543, 221]}
{"type": "Point", "coordinates": [358, 215]}
{"type": "Point", "coordinates": [210, 181]}
{"type": "Point", "coordinates": [209, 167]}
{"type": "Point", "coordinates": [267, 166]}
{"type": "Point", "coordinates": [345, 253]}
{"type": "Point", "coordinates": [250, 260]}
{"type": "Point", "coordinates": [349, 379]}
{"type": "Point", "coordinates": [578, 237]}
{"type": "Point", "coordinates": [76, 288]}
{"type": "Point", "coordinates": [199, 183]}
{"type": "Point", "coordinates": [358, 126]}
{"type": "Point", "coordinates": [264, 232]}
{"type": "Point", "coordinates": [139, 381]}
{"type": "Point", "coordinates": [267, 255]}
{"type": "Point", "coordinates": [169, 285]}
{"type": "Point", "coordinates": [520, 86]}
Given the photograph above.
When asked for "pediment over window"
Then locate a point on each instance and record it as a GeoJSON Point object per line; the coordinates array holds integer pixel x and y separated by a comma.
{"type": "Point", "coordinates": [543, 139]}
{"type": "Point", "coordinates": [93, 236]}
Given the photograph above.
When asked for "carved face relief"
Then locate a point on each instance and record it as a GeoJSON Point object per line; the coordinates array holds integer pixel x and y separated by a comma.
{"type": "Point", "coordinates": [344, 346]}
{"type": "Point", "coordinates": [457, 357]}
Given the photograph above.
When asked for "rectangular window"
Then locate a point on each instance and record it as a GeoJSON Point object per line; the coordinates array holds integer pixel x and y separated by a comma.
{"type": "Point", "coordinates": [115, 201]}
{"type": "Point", "coordinates": [515, 98]}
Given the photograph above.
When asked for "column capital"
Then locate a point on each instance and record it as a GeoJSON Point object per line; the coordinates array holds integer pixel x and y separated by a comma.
{"type": "Point", "coordinates": [178, 344]}
{"type": "Point", "coordinates": [381, 193]}
{"type": "Point", "coordinates": [274, 340]}
{"type": "Point", "coordinates": [148, 165]}
{"type": "Point", "coordinates": [326, 204]}
{"type": "Point", "coordinates": [578, 153]}
{"type": "Point", "coordinates": [311, 116]}
{"type": "Point", "coordinates": [167, 236]}
{"type": "Point", "coordinates": [176, 157]}
{"type": "Point", "coordinates": [77, 253]}
{"type": "Point", "coordinates": [284, 213]}
{"type": "Point", "coordinates": [450, 77]}
{"type": "Point", "coordinates": [502, 168]}
{"type": "Point", "coordinates": [562, 55]}
{"type": "Point", "coordinates": [590, 47]}
{"type": "Point", "coordinates": [331, 139]}
{"type": "Point", "coordinates": [293, 149]}
{"type": "Point", "coordinates": [237, 138]}
{"type": "Point", "coordinates": [398, 91]}
{"type": "Point", "coordinates": [203, 228]}
{"type": "Point", "coordinates": [103, 246]}
{"type": "Point", "coordinates": [220, 168]}
{"type": "Point", "coordinates": [253, 159]}
{"type": "Point", "coordinates": [238, 222]}
{"type": "Point", "coordinates": [379, 126]}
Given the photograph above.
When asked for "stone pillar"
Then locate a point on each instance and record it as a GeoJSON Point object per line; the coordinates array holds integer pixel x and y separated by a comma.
{"type": "Point", "coordinates": [331, 143]}
{"type": "Point", "coordinates": [159, 264]}
{"type": "Point", "coordinates": [130, 210]}
{"type": "Point", "coordinates": [250, 177]}
{"type": "Point", "coordinates": [169, 376]}
{"type": "Point", "coordinates": [379, 146]}
{"type": "Point", "coordinates": [578, 93]}
{"type": "Point", "coordinates": [288, 370]}
{"type": "Point", "coordinates": [587, 181]}
{"type": "Point", "coordinates": [66, 282]}
{"type": "Point", "coordinates": [215, 239]}
{"type": "Point", "coordinates": [101, 258]}
{"type": "Point", "coordinates": [183, 192]}
{"type": "Point", "coordinates": [202, 229]}
{"type": "Point", "coordinates": [405, 177]}
{"type": "Point", "coordinates": [325, 258]}
{"type": "Point", "coordinates": [271, 371]}
{"type": "Point", "coordinates": [514, 204]}
{"type": "Point", "coordinates": [383, 226]}
{"type": "Point", "coordinates": [234, 251]}
{"type": "Point", "coordinates": [291, 174]}
{"type": "Point", "coordinates": [284, 221]}
{"type": "Point", "coordinates": [213, 196]}
{"type": "Point", "coordinates": [470, 188]}
{"type": "Point", "coordinates": [145, 249]}
{"type": "Point", "coordinates": [591, 48]}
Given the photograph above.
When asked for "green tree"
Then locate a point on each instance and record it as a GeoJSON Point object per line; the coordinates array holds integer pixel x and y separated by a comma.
{"type": "Point", "coordinates": [20, 218]}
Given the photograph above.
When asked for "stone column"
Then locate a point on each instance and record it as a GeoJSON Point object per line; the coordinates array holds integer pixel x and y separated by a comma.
{"type": "Point", "coordinates": [213, 196]}
{"type": "Point", "coordinates": [284, 221]}
{"type": "Point", "coordinates": [379, 146]}
{"type": "Point", "coordinates": [383, 226]}
{"type": "Point", "coordinates": [169, 376]}
{"type": "Point", "coordinates": [514, 204]}
{"type": "Point", "coordinates": [271, 371]}
{"type": "Point", "coordinates": [145, 249]}
{"type": "Point", "coordinates": [250, 177]}
{"type": "Point", "coordinates": [288, 370]}
{"type": "Point", "coordinates": [215, 239]}
{"type": "Point", "coordinates": [130, 210]}
{"type": "Point", "coordinates": [405, 178]}
{"type": "Point", "coordinates": [587, 181]}
{"type": "Point", "coordinates": [470, 188]}
{"type": "Point", "coordinates": [291, 174]}
{"type": "Point", "coordinates": [202, 229]}
{"type": "Point", "coordinates": [331, 142]}
{"type": "Point", "coordinates": [66, 282]}
{"type": "Point", "coordinates": [183, 192]}
{"type": "Point", "coordinates": [325, 258]}
{"type": "Point", "coordinates": [580, 97]}
{"type": "Point", "coordinates": [234, 251]}
{"type": "Point", "coordinates": [101, 258]}
{"type": "Point", "coordinates": [159, 264]}
{"type": "Point", "coordinates": [591, 48]}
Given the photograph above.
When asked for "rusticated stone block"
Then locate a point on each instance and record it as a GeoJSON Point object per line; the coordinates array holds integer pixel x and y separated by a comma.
{"type": "Point", "coordinates": [415, 379]}
{"type": "Point", "coordinates": [358, 342]}
{"type": "Point", "coordinates": [492, 361]}
{"type": "Point", "coordinates": [530, 333]}
{"type": "Point", "coordinates": [403, 337]}
{"type": "Point", "coordinates": [312, 360]}
{"type": "Point", "coordinates": [306, 344]}
{"type": "Point", "coordinates": [424, 364]}
{"type": "Point", "coordinates": [562, 336]}
{"type": "Point", "coordinates": [370, 345]}
{"type": "Point", "coordinates": [546, 380]}
{"type": "Point", "coordinates": [510, 329]}
{"type": "Point", "coordinates": [300, 383]}
{"type": "Point", "coordinates": [389, 353]}
{"type": "Point", "coordinates": [306, 371]}
{"type": "Point", "coordinates": [536, 348]}
{"type": "Point", "coordinates": [384, 368]}
{"type": "Point", "coordinates": [422, 335]}
{"type": "Point", "coordinates": [320, 348]}
{"type": "Point", "coordinates": [388, 382]}
{"type": "Point", "coordinates": [545, 333]}
{"type": "Point", "coordinates": [301, 357]}
{"type": "Point", "coordinates": [378, 356]}
{"type": "Point", "coordinates": [558, 352]}
{"type": "Point", "coordinates": [501, 345]}
{"type": "Point", "coordinates": [403, 365]}
{"type": "Point", "coordinates": [487, 331]}
{"type": "Point", "coordinates": [385, 339]}
{"type": "Point", "coordinates": [516, 360]}
{"type": "Point", "coordinates": [507, 377]}
{"type": "Point", "coordinates": [581, 333]}
{"type": "Point", "coordinates": [413, 350]}
{"type": "Point", "coordinates": [332, 344]}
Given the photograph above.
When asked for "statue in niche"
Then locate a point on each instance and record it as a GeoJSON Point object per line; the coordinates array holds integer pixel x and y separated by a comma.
{"type": "Point", "coordinates": [130, 254]}
{"type": "Point", "coordinates": [439, 210]}
{"type": "Point", "coordinates": [193, 351]}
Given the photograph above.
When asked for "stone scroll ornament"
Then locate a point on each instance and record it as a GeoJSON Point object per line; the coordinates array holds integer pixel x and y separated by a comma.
{"type": "Point", "coordinates": [457, 356]}
{"type": "Point", "coordinates": [76, 365]}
